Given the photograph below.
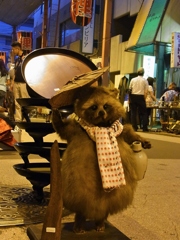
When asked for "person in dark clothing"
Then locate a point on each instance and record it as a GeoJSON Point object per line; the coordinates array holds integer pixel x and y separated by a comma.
{"type": "Point", "coordinates": [138, 87]}
{"type": "Point", "coordinates": [19, 85]}
{"type": "Point", "coordinates": [3, 82]}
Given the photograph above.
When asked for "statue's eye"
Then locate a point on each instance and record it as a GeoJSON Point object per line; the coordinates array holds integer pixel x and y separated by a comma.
{"type": "Point", "coordinates": [94, 107]}
{"type": "Point", "coordinates": [105, 106]}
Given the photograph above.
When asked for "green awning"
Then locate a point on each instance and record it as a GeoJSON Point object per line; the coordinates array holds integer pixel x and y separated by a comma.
{"type": "Point", "coordinates": [149, 18]}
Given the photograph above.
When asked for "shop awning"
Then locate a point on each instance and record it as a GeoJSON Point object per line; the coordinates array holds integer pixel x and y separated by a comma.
{"type": "Point", "coordinates": [16, 12]}
{"type": "Point", "coordinates": [148, 21]}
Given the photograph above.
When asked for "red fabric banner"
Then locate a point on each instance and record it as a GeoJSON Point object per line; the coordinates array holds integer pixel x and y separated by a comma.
{"type": "Point", "coordinates": [5, 134]}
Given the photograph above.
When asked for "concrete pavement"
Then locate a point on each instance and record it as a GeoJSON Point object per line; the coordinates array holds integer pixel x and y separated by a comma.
{"type": "Point", "coordinates": [154, 214]}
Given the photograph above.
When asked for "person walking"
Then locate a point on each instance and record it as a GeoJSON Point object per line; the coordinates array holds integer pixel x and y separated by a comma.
{"type": "Point", "coordinates": [18, 84]}
{"type": "Point", "coordinates": [138, 88]}
{"type": "Point", "coordinates": [150, 98]}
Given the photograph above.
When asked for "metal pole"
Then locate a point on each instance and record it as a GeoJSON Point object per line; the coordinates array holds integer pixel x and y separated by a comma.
{"type": "Point", "coordinates": [106, 39]}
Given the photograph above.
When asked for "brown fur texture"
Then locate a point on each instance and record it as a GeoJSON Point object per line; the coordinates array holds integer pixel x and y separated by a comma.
{"type": "Point", "coordinates": [82, 185]}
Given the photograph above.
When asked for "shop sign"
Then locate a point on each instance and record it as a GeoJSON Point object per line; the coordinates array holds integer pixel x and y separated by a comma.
{"type": "Point", "coordinates": [26, 43]}
{"type": "Point", "coordinates": [81, 11]}
{"type": "Point", "coordinates": [88, 35]}
{"type": "Point", "coordinates": [25, 38]}
{"type": "Point", "coordinates": [175, 50]}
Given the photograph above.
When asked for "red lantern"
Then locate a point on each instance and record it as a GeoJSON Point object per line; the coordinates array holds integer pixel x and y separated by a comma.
{"type": "Point", "coordinates": [25, 38]}
{"type": "Point", "coordinates": [81, 11]}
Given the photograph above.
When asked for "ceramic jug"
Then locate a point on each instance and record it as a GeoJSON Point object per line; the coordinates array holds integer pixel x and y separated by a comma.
{"type": "Point", "coordinates": [141, 160]}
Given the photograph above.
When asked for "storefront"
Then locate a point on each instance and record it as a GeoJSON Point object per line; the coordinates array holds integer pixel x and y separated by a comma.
{"type": "Point", "coordinates": [152, 35]}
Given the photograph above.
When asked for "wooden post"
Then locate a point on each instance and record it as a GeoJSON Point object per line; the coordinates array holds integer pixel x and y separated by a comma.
{"type": "Point", "coordinates": [14, 36]}
{"type": "Point", "coordinates": [44, 25]}
{"type": "Point", "coordinates": [106, 39]}
{"type": "Point", "coordinates": [57, 24]}
{"type": "Point", "coordinates": [52, 223]}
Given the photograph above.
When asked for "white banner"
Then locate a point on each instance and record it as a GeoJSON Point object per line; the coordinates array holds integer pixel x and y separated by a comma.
{"type": "Point", "coordinates": [88, 34]}
{"type": "Point", "coordinates": [175, 50]}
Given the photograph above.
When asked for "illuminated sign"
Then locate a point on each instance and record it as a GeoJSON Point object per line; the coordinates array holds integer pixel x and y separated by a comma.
{"type": "Point", "coordinates": [25, 38]}
{"type": "Point", "coordinates": [148, 65]}
{"type": "Point", "coordinates": [26, 43]}
{"type": "Point", "coordinates": [175, 50]}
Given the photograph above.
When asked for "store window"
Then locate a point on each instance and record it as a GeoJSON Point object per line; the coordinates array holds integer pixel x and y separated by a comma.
{"type": "Point", "coordinates": [69, 32]}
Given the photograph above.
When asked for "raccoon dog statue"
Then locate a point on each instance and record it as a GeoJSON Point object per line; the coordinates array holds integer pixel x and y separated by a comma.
{"type": "Point", "coordinates": [83, 190]}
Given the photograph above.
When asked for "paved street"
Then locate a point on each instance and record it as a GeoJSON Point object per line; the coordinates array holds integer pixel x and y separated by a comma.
{"type": "Point", "coordinates": [154, 214]}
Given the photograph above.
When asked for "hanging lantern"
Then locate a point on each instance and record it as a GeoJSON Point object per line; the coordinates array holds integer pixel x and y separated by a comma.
{"type": "Point", "coordinates": [81, 11]}
{"type": "Point", "coordinates": [25, 38]}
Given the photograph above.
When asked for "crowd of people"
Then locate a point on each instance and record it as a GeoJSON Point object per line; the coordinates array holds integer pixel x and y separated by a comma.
{"type": "Point", "coordinates": [12, 87]}
{"type": "Point", "coordinates": [138, 98]}
{"type": "Point", "coordinates": [141, 96]}
{"type": "Point", "coordinates": [12, 84]}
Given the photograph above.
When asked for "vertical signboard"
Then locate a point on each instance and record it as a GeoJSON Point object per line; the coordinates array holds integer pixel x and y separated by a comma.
{"type": "Point", "coordinates": [88, 34]}
{"type": "Point", "coordinates": [175, 50]}
{"type": "Point", "coordinates": [149, 65]}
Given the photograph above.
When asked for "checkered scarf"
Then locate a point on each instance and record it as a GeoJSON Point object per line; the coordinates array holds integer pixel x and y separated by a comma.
{"type": "Point", "coordinates": [109, 158]}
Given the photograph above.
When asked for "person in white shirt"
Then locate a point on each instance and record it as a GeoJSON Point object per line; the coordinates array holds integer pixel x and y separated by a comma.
{"type": "Point", "coordinates": [138, 88]}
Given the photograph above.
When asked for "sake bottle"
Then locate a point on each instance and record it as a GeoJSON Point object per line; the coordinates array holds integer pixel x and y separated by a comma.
{"type": "Point", "coordinates": [141, 160]}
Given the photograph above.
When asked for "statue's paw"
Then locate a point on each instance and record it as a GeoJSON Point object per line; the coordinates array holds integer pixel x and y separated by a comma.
{"type": "Point", "coordinates": [78, 230]}
{"type": "Point", "coordinates": [100, 228]}
{"type": "Point", "coordinates": [146, 144]}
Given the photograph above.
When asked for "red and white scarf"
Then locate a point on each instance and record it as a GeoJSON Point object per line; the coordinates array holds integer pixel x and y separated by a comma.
{"type": "Point", "coordinates": [109, 158]}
